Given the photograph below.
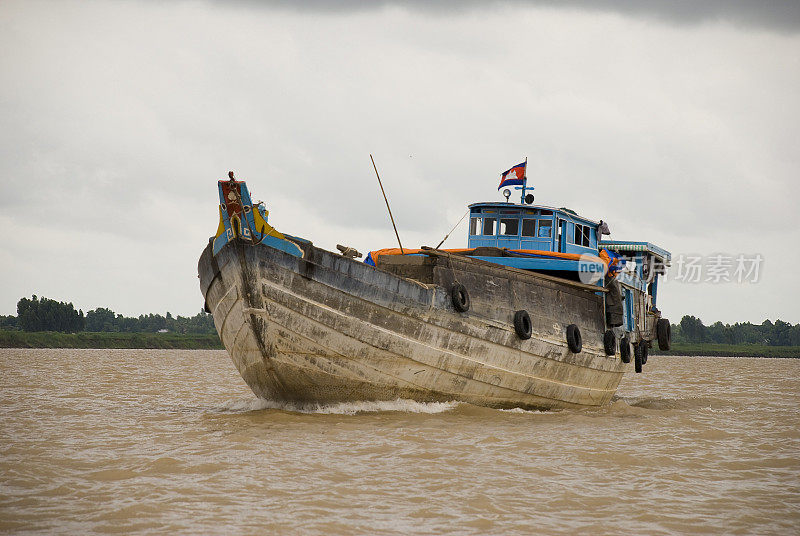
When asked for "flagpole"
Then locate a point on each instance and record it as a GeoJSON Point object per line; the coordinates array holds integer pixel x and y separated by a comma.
{"type": "Point", "coordinates": [524, 181]}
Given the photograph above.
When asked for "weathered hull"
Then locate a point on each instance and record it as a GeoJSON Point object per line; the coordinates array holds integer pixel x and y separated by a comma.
{"type": "Point", "coordinates": [325, 328]}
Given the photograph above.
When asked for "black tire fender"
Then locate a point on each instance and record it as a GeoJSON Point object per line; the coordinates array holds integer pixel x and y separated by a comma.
{"type": "Point", "coordinates": [522, 324]}
{"type": "Point", "coordinates": [610, 342]}
{"type": "Point", "coordinates": [460, 298]}
{"type": "Point", "coordinates": [625, 349]}
{"type": "Point", "coordinates": [664, 334]}
{"type": "Point", "coordinates": [574, 340]}
{"type": "Point", "coordinates": [637, 357]}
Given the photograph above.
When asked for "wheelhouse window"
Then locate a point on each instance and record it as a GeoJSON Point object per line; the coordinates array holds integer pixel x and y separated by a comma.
{"type": "Point", "coordinates": [488, 226]}
{"type": "Point", "coordinates": [545, 228]}
{"type": "Point", "coordinates": [509, 226]}
{"type": "Point", "coordinates": [582, 235]}
{"type": "Point", "coordinates": [528, 227]}
{"type": "Point", "coordinates": [474, 225]}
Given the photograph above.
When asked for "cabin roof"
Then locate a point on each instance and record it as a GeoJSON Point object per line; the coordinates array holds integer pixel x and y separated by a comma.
{"type": "Point", "coordinates": [630, 246]}
{"type": "Point", "coordinates": [502, 205]}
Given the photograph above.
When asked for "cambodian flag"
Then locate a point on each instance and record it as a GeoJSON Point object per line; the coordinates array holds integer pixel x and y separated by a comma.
{"type": "Point", "coordinates": [514, 176]}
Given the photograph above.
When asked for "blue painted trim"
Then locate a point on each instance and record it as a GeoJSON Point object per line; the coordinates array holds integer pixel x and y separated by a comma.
{"type": "Point", "coordinates": [283, 245]}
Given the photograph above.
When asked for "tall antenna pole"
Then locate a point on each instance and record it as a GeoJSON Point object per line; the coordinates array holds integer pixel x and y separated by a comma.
{"type": "Point", "coordinates": [387, 203]}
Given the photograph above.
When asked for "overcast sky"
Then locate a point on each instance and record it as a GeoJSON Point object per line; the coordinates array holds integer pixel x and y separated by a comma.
{"type": "Point", "coordinates": [676, 122]}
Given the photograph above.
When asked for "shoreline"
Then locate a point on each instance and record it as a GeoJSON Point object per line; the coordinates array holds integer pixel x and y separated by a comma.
{"type": "Point", "coordinates": [210, 341]}
{"type": "Point", "coordinates": [730, 350]}
{"type": "Point", "coordinates": [108, 340]}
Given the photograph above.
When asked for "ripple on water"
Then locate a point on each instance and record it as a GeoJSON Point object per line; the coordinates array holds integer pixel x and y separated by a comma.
{"type": "Point", "coordinates": [173, 442]}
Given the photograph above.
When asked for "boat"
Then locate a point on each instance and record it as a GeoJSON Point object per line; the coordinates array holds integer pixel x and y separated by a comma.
{"type": "Point", "coordinates": [538, 312]}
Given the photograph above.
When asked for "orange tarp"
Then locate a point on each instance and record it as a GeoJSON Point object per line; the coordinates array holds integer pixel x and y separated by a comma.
{"type": "Point", "coordinates": [554, 254]}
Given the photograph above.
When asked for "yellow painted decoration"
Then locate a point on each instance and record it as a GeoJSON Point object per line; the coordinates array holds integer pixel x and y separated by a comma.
{"type": "Point", "coordinates": [263, 226]}
{"type": "Point", "coordinates": [221, 228]}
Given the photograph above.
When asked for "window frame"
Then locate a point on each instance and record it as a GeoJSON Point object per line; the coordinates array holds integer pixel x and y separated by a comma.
{"type": "Point", "coordinates": [539, 228]}
{"type": "Point", "coordinates": [493, 221]}
{"type": "Point", "coordinates": [522, 227]}
{"type": "Point", "coordinates": [506, 220]}
{"type": "Point", "coordinates": [582, 235]}
{"type": "Point", "coordinates": [475, 224]}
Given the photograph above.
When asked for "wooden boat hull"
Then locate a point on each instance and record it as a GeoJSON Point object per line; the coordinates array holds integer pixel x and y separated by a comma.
{"type": "Point", "coordinates": [323, 328]}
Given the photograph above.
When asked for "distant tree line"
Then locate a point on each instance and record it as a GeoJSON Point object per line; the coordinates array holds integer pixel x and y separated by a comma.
{"type": "Point", "coordinates": [48, 315]}
{"type": "Point", "coordinates": [779, 333]}
{"type": "Point", "coordinates": [44, 314]}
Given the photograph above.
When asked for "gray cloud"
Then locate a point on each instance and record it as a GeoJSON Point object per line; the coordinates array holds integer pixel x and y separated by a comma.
{"type": "Point", "coordinates": [779, 15]}
{"type": "Point", "coordinates": [120, 117]}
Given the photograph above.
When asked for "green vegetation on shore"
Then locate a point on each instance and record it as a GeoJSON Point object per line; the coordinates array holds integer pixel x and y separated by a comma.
{"type": "Point", "coordinates": [46, 323]}
{"type": "Point", "coordinates": [43, 314]}
{"type": "Point", "coordinates": [84, 339]}
{"type": "Point", "coordinates": [768, 333]}
{"type": "Point", "coordinates": [768, 339]}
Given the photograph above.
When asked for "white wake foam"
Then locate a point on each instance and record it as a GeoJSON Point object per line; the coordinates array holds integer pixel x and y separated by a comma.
{"type": "Point", "coordinates": [342, 408]}
{"type": "Point", "coordinates": [520, 410]}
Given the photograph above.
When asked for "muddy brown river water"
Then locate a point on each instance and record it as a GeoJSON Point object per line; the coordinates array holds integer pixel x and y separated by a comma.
{"type": "Point", "coordinates": [168, 442]}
